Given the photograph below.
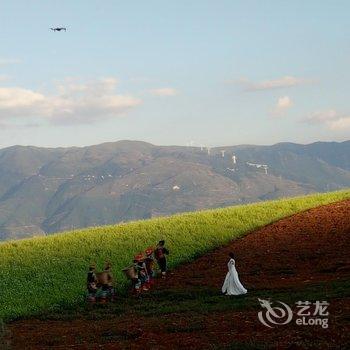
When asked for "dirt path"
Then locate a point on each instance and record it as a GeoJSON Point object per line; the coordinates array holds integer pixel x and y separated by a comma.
{"type": "Point", "coordinates": [308, 250]}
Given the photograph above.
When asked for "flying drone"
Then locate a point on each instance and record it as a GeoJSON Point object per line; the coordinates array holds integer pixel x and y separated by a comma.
{"type": "Point", "coordinates": [58, 29]}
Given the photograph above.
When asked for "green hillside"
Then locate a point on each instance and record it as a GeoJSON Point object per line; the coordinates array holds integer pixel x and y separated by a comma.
{"type": "Point", "coordinates": [49, 272]}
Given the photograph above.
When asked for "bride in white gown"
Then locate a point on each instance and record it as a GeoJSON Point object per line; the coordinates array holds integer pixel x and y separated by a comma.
{"type": "Point", "coordinates": [232, 284]}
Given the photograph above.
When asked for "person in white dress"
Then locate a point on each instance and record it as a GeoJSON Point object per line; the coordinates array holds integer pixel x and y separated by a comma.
{"type": "Point", "coordinates": [232, 284]}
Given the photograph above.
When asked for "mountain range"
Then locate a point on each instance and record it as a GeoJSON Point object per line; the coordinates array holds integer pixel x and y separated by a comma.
{"type": "Point", "coordinates": [45, 190]}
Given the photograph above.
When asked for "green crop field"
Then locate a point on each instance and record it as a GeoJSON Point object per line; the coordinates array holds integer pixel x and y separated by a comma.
{"type": "Point", "coordinates": [49, 272]}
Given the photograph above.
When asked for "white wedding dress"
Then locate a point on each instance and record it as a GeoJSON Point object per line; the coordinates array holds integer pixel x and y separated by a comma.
{"type": "Point", "coordinates": [232, 284]}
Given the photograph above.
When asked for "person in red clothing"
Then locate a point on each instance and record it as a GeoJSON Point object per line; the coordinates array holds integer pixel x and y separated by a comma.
{"type": "Point", "coordinates": [160, 255]}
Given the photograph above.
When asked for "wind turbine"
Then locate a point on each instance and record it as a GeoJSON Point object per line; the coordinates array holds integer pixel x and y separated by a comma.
{"type": "Point", "coordinates": [234, 163]}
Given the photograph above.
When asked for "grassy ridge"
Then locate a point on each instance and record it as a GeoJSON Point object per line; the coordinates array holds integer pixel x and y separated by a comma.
{"type": "Point", "coordinates": [43, 273]}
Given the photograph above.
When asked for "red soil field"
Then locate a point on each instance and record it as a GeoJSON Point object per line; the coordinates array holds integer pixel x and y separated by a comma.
{"type": "Point", "coordinates": [310, 246]}
{"type": "Point", "coordinates": [308, 249]}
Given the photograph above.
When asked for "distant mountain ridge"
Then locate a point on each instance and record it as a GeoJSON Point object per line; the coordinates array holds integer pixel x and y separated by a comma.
{"type": "Point", "coordinates": [44, 190]}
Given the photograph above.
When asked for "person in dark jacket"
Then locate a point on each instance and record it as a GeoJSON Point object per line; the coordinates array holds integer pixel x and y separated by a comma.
{"type": "Point", "coordinates": [141, 284]}
{"type": "Point", "coordinates": [160, 255]}
{"type": "Point", "coordinates": [136, 282]}
{"type": "Point", "coordinates": [149, 262]}
{"type": "Point", "coordinates": [91, 283]}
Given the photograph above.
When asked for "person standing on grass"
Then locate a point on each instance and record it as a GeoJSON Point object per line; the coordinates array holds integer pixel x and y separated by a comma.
{"type": "Point", "coordinates": [106, 280]}
{"type": "Point", "coordinates": [135, 280]}
{"type": "Point", "coordinates": [92, 283]}
{"type": "Point", "coordinates": [232, 284]}
{"type": "Point", "coordinates": [149, 261]}
{"type": "Point", "coordinates": [160, 255]}
{"type": "Point", "coordinates": [142, 271]}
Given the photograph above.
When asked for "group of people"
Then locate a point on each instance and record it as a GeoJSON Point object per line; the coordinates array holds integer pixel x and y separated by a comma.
{"type": "Point", "coordinates": [100, 284]}
{"type": "Point", "coordinates": [141, 273]}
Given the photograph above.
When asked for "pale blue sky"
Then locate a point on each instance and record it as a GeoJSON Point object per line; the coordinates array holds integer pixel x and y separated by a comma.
{"type": "Point", "coordinates": [168, 72]}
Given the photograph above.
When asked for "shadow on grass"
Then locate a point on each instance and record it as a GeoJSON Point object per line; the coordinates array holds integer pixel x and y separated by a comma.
{"type": "Point", "coordinates": [4, 343]}
{"type": "Point", "coordinates": [197, 300]}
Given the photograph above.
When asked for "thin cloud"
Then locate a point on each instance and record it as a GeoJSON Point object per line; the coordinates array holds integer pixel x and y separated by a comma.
{"type": "Point", "coordinates": [4, 77]}
{"type": "Point", "coordinates": [343, 123]}
{"type": "Point", "coordinates": [331, 119]}
{"type": "Point", "coordinates": [73, 102]}
{"type": "Point", "coordinates": [283, 105]}
{"type": "Point", "coordinates": [167, 91]}
{"type": "Point", "coordinates": [322, 117]}
{"type": "Point", "coordinates": [283, 82]}
{"type": "Point", "coordinates": [6, 61]}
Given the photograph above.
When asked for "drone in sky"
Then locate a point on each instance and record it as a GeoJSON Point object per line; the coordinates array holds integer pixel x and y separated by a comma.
{"type": "Point", "coordinates": [58, 29]}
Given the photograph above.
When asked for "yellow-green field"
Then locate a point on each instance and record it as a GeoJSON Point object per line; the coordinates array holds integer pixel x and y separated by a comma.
{"type": "Point", "coordinates": [49, 272]}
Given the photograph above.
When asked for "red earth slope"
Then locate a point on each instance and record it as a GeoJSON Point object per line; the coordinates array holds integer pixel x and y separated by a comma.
{"type": "Point", "coordinates": [310, 246]}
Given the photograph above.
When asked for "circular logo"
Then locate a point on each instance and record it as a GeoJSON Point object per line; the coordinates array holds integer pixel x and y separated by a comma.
{"type": "Point", "coordinates": [274, 315]}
